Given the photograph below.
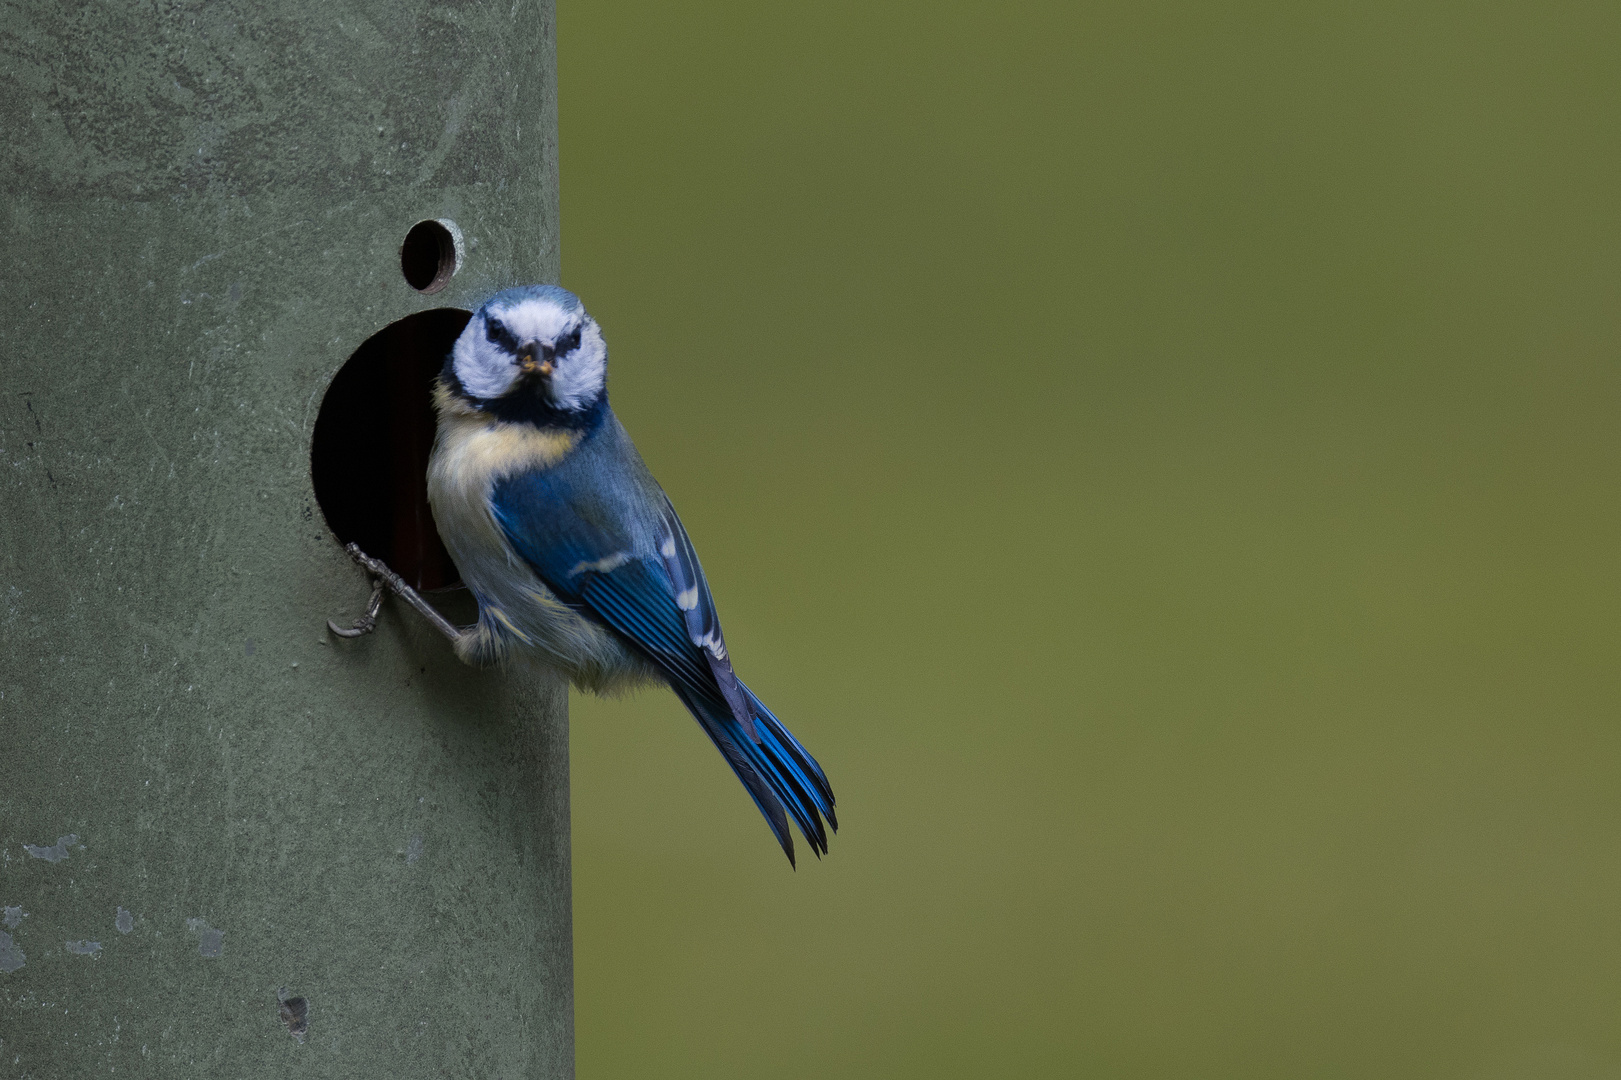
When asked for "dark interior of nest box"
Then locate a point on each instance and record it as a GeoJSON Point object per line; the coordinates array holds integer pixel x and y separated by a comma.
{"type": "Point", "coordinates": [373, 435]}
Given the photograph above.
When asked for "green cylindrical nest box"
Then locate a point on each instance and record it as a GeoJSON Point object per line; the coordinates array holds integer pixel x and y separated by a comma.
{"type": "Point", "coordinates": [230, 842]}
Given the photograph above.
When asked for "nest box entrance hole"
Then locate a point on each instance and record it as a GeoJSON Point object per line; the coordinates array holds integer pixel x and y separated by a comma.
{"type": "Point", "coordinates": [373, 435]}
{"type": "Point", "coordinates": [431, 254]}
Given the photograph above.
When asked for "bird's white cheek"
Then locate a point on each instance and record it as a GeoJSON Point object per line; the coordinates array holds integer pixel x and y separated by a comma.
{"type": "Point", "coordinates": [581, 375]}
{"type": "Point", "coordinates": [483, 370]}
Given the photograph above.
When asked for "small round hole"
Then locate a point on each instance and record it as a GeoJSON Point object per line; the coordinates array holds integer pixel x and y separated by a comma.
{"type": "Point", "coordinates": [431, 255]}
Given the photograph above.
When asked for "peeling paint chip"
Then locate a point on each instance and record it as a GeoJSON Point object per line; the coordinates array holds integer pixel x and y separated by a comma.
{"type": "Point", "coordinates": [85, 948]}
{"type": "Point", "coordinates": [11, 957]}
{"type": "Point", "coordinates": [56, 852]}
{"type": "Point", "coordinates": [12, 916]}
{"type": "Point", "coordinates": [210, 942]}
{"type": "Point", "coordinates": [295, 1013]}
{"type": "Point", "coordinates": [125, 921]}
{"type": "Point", "coordinates": [413, 850]}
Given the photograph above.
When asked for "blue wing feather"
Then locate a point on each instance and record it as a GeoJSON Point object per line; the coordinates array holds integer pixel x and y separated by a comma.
{"type": "Point", "coordinates": [698, 606]}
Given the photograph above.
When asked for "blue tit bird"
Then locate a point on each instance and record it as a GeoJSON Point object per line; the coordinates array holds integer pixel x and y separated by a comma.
{"type": "Point", "coordinates": [575, 554]}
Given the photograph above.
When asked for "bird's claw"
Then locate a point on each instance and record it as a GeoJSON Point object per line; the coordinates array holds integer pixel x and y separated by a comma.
{"type": "Point", "coordinates": [367, 622]}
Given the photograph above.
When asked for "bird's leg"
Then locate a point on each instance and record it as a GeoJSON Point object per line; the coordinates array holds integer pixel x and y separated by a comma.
{"type": "Point", "coordinates": [385, 576]}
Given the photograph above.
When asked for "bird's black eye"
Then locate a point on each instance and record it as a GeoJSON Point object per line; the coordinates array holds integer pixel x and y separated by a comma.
{"type": "Point", "coordinates": [569, 343]}
{"type": "Point", "coordinates": [498, 334]}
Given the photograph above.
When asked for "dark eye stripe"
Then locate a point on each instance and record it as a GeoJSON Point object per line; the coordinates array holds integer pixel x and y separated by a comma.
{"type": "Point", "coordinates": [498, 334]}
{"type": "Point", "coordinates": [569, 343]}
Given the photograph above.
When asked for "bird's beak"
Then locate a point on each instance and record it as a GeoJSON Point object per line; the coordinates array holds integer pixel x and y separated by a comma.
{"type": "Point", "coordinates": [531, 367]}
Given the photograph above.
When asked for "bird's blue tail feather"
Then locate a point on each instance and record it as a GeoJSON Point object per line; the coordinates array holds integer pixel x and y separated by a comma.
{"type": "Point", "coordinates": [781, 777]}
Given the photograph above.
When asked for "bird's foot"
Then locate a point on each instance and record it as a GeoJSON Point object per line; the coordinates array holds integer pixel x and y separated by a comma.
{"type": "Point", "coordinates": [384, 577]}
{"type": "Point", "coordinates": [367, 622]}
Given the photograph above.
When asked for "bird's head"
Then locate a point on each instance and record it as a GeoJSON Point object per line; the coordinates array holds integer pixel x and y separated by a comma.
{"type": "Point", "coordinates": [532, 351]}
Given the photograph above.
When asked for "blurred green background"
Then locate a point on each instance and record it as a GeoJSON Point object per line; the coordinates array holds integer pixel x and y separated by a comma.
{"type": "Point", "coordinates": [1162, 458]}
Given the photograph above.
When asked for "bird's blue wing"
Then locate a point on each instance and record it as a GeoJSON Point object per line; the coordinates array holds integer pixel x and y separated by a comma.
{"type": "Point", "coordinates": [590, 561]}
{"type": "Point", "coordinates": [699, 614]}
{"type": "Point", "coordinates": [662, 604]}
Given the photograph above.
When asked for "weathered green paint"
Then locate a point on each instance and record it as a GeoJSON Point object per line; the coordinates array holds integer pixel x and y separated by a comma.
{"type": "Point", "coordinates": [203, 209]}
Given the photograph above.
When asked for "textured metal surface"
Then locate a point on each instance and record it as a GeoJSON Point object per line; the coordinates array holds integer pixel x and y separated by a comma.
{"type": "Point", "coordinates": [203, 210]}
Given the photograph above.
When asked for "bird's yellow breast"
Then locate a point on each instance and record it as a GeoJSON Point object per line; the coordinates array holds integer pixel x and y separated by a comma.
{"type": "Point", "coordinates": [472, 452]}
{"type": "Point", "coordinates": [475, 450]}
